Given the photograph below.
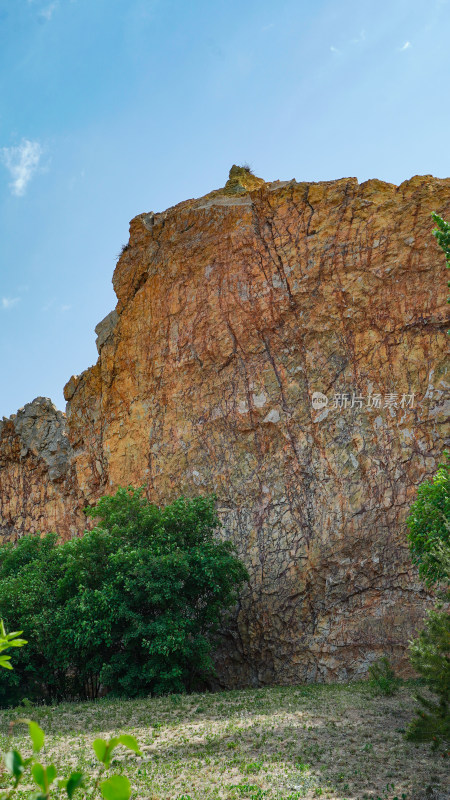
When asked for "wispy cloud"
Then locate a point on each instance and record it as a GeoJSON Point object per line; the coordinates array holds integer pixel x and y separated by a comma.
{"type": "Point", "coordinates": [53, 304]}
{"type": "Point", "coordinates": [9, 302]}
{"type": "Point", "coordinates": [406, 46]}
{"type": "Point", "coordinates": [48, 305]}
{"type": "Point", "coordinates": [22, 162]}
{"type": "Point", "coordinates": [47, 12]}
{"type": "Point", "coordinates": [361, 38]}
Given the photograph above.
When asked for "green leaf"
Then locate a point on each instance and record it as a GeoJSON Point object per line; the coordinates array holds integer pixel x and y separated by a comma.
{"type": "Point", "coordinates": [37, 736]}
{"type": "Point", "coordinates": [51, 774]}
{"type": "Point", "coordinates": [75, 781]}
{"type": "Point", "coordinates": [117, 787]}
{"type": "Point", "coordinates": [38, 773]}
{"type": "Point", "coordinates": [100, 748]}
{"type": "Point", "coordinates": [4, 662]}
{"type": "Point", "coordinates": [13, 763]}
{"type": "Point", "coordinates": [130, 742]}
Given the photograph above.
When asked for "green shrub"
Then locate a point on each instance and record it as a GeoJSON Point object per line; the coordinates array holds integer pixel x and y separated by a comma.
{"type": "Point", "coordinates": [383, 679]}
{"type": "Point", "coordinates": [132, 607]}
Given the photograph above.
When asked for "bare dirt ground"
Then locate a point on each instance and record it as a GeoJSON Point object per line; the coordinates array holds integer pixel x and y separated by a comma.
{"type": "Point", "coordinates": [282, 743]}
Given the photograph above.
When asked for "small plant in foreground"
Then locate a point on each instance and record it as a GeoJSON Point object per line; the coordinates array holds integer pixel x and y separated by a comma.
{"type": "Point", "coordinates": [113, 787]}
{"type": "Point", "coordinates": [8, 640]}
{"type": "Point", "coordinates": [383, 679]}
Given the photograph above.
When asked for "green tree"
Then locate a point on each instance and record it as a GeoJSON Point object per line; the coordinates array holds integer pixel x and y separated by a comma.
{"type": "Point", "coordinates": [430, 657]}
{"type": "Point", "coordinates": [442, 234]}
{"type": "Point", "coordinates": [133, 606]}
{"type": "Point", "coordinates": [429, 539]}
{"type": "Point", "coordinates": [429, 526]}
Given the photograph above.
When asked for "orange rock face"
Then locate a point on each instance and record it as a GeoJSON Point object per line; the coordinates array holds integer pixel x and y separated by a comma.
{"type": "Point", "coordinates": [233, 310]}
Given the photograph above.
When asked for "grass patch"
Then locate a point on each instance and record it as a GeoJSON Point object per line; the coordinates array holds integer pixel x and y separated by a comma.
{"type": "Point", "coordinates": [281, 743]}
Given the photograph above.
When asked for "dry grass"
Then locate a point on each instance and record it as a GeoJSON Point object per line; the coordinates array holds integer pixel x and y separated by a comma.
{"type": "Point", "coordinates": [335, 742]}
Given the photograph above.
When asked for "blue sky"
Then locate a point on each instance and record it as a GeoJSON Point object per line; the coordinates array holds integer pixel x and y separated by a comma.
{"type": "Point", "coordinates": [109, 108]}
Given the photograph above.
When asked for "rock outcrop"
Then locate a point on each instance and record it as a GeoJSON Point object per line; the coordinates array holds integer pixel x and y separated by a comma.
{"type": "Point", "coordinates": [283, 345]}
{"type": "Point", "coordinates": [38, 490]}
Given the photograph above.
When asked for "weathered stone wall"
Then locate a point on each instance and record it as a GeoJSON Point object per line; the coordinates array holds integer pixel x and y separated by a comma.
{"type": "Point", "coordinates": [38, 490]}
{"type": "Point", "coordinates": [232, 310]}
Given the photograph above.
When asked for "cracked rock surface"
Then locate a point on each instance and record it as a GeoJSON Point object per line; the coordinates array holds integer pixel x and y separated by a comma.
{"type": "Point", "coordinates": [232, 311]}
{"type": "Point", "coordinates": [38, 490]}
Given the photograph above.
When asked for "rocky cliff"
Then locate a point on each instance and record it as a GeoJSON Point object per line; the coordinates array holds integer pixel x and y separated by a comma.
{"type": "Point", "coordinates": [38, 489]}
{"type": "Point", "coordinates": [283, 345]}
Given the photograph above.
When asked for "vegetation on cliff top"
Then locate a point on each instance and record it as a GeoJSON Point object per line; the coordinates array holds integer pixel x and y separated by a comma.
{"type": "Point", "coordinates": [241, 180]}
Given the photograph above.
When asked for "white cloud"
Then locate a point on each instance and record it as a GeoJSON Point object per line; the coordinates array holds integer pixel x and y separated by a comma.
{"type": "Point", "coordinates": [22, 162]}
{"type": "Point", "coordinates": [9, 302]}
{"type": "Point", "coordinates": [335, 50]}
{"type": "Point", "coordinates": [47, 13]}
{"type": "Point", "coordinates": [406, 46]}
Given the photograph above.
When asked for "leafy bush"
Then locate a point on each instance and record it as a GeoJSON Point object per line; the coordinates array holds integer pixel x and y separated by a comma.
{"type": "Point", "coordinates": [383, 679]}
{"type": "Point", "coordinates": [131, 607]}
